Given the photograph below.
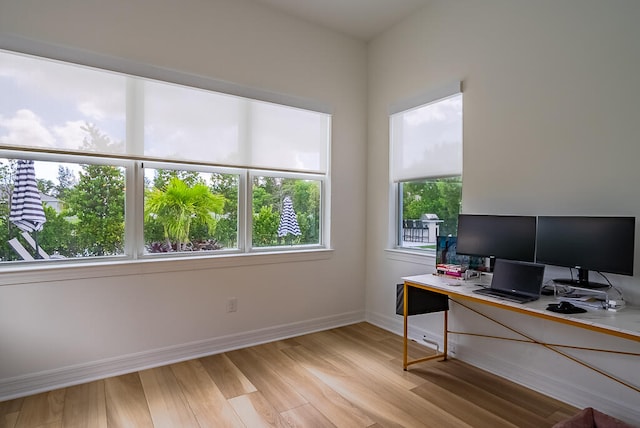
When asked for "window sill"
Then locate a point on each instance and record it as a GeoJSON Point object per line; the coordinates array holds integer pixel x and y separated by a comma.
{"type": "Point", "coordinates": [410, 256]}
{"type": "Point", "coordinates": [38, 274]}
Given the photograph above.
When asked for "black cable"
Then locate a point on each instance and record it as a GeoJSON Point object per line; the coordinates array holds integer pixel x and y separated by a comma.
{"type": "Point", "coordinates": [605, 278]}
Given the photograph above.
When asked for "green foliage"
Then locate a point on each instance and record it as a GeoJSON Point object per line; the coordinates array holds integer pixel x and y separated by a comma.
{"type": "Point", "coordinates": [227, 228]}
{"type": "Point", "coordinates": [66, 182]}
{"type": "Point", "coordinates": [98, 204]}
{"type": "Point", "coordinates": [164, 176]}
{"type": "Point", "coordinates": [58, 235]}
{"type": "Point", "coordinates": [305, 196]}
{"type": "Point", "coordinates": [182, 211]}
{"type": "Point", "coordinates": [439, 196]}
{"type": "Point", "coordinates": [306, 201]}
{"type": "Point", "coordinates": [265, 226]}
{"type": "Point", "coordinates": [6, 253]}
{"type": "Point", "coordinates": [178, 207]}
{"type": "Point", "coordinates": [46, 187]}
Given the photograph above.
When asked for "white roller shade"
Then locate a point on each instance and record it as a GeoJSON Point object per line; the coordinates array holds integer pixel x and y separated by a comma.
{"type": "Point", "coordinates": [71, 108]}
{"type": "Point", "coordinates": [288, 138]}
{"type": "Point", "coordinates": [426, 141]}
{"type": "Point", "coordinates": [193, 124]}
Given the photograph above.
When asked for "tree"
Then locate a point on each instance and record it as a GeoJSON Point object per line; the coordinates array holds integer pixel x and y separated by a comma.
{"type": "Point", "coordinates": [164, 176]}
{"type": "Point", "coordinates": [179, 206]}
{"type": "Point", "coordinates": [46, 187]}
{"type": "Point", "coordinates": [97, 201]}
{"type": "Point", "coordinates": [306, 202]}
{"type": "Point", "coordinates": [227, 227]}
{"type": "Point", "coordinates": [440, 196]}
{"type": "Point", "coordinates": [6, 187]}
{"type": "Point", "coordinates": [265, 227]}
{"type": "Point", "coordinates": [58, 237]}
{"type": "Point", "coordinates": [66, 181]}
{"type": "Point", "coordinates": [270, 192]}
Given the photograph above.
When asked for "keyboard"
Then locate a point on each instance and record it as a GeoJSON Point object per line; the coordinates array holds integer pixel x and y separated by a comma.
{"type": "Point", "coordinates": [505, 295]}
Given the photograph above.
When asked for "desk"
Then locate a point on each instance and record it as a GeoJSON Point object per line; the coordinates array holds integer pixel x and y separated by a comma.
{"type": "Point", "coordinates": [624, 324]}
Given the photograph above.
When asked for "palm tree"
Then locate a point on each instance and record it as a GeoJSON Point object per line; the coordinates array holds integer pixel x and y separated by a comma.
{"type": "Point", "coordinates": [179, 206]}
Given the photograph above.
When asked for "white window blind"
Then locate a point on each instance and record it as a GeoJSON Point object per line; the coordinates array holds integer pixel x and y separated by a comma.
{"type": "Point", "coordinates": [192, 124]}
{"type": "Point", "coordinates": [158, 120]}
{"type": "Point", "coordinates": [288, 138]}
{"type": "Point", "coordinates": [426, 141]}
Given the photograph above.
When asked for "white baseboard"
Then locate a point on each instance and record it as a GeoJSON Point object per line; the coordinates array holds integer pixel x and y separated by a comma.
{"type": "Point", "coordinates": [567, 392]}
{"type": "Point", "coordinates": [395, 325]}
{"type": "Point", "coordinates": [33, 383]}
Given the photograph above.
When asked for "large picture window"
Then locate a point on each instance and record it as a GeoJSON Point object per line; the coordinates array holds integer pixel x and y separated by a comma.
{"type": "Point", "coordinates": [95, 163]}
{"type": "Point", "coordinates": [426, 169]}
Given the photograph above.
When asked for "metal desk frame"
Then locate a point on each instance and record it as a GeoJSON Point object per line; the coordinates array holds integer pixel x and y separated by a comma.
{"type": "Point", "coordinates": [458, 297]}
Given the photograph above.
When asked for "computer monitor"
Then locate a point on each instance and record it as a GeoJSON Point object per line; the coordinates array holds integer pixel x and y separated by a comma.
{"type": "Point", "coordinates": [600, 244]}
{"type": "Point", "coordinates": [446, 253]}
{"type": "Point", "coordinates": [508, 237]}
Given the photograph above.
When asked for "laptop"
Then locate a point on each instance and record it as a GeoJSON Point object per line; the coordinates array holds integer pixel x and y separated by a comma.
{"type": "Point", "coordinates": [515, 281]}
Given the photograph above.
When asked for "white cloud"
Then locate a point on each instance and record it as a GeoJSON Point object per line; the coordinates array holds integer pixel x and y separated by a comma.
{"type": "Point", "coordinates": [96, 95]}
{"type": "Point", "coordinates": [91, 110]}
{"type": "Point", "coordinates": [71, 135]}
{"type": "Point", "coordinates": [25, 129]}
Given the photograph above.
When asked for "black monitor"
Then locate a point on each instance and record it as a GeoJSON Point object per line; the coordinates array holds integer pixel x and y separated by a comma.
{"type": "Point", "coordinates": [600, 244]}
{"type": "Point", "coordinates": [497, 236]}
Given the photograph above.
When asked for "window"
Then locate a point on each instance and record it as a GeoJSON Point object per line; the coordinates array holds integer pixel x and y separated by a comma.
{"type": "Point", "coordinates": [83, 205]}
{"type": "Point", "coordinates": [426, 169]}
{"type": "Point", "coordinates": [186, 211]}
{"type": "Point", "coordinates": [126, 167]}
{"type": "Point", "coordinates": [286, 211]}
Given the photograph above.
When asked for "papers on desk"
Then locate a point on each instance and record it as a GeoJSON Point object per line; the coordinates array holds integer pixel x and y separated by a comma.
{"type": "Point", "coordinates": [586, 298]}
{"type": "Point", "coordinates": [586, 302]}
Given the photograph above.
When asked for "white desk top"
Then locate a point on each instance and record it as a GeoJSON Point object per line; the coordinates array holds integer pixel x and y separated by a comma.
{"type": "Point", "coordinates": [623, 323]}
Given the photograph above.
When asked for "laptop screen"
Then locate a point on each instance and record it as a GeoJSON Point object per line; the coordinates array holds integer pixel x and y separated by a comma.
{"type": "Point", "coordinates": [520, 277]}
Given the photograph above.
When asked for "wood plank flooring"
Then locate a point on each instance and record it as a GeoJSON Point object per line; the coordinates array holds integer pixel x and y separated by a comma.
{"type": "Point", "coordinates": [345, 377]}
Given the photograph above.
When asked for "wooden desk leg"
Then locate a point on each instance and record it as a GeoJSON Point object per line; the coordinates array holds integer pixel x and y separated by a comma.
{"type": "Point", "coordinates": [406, 330]}
{"type": "Point", "coordinates": [445, 334]}
{"type": "Point", "coordinates": [405, 341]}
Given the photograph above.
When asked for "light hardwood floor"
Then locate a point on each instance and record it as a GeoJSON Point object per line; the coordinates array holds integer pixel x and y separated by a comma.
{"type": "Point", "coordinates": [346, 377]}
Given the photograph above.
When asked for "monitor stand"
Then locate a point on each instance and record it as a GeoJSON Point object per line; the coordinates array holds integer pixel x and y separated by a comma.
{"type": "Point", "coordinates": [582, 281]}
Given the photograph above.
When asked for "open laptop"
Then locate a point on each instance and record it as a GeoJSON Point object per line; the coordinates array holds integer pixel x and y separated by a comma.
{"type": "Point", "coordinates": [515, 281]}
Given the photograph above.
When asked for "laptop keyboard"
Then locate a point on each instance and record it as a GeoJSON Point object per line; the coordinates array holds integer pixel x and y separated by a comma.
{"type": "Point", "coordinates": [504, 295]}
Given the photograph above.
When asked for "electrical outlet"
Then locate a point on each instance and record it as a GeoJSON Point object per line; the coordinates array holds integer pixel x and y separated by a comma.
{"type": "Point", "coordinates": [452, 348]}
{"type": "Point", "coordinates": [232, 304]}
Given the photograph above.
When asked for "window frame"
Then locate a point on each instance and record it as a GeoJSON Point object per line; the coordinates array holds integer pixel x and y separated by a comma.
{"type": "Point", "coordinates": [395, 227]}
{"type": "Point", "coordinates": [400, 208]}
{"type": "Point", "coordinates": [134, 172]}
{"type": "Point", "coordinates": [249, 210]}
{"type": "Point", "coordinates": [241, 173]}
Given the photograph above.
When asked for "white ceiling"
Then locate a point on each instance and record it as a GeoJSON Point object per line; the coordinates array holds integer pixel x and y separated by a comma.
{"type": "Point", "coordinates": [363, 19]}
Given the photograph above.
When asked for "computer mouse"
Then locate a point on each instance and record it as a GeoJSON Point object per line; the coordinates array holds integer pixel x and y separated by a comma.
{"type": "Point", "coordinates": [566, 306]}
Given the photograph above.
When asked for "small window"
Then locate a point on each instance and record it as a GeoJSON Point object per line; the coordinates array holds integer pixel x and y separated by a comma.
{"type": "Point", "coordinates": [429, 208]}
{"type": "Point", "coordinates": [286, 212]}
{"type": "Point", "coordinates": [56, 210]}
{"type": "Point", "coordinates": [190, 211]}
{"type": "Point", "coordinates": [426, 169]}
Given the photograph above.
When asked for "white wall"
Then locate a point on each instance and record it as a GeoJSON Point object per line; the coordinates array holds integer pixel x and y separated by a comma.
{"type": "Point", "coordinates": [550, 127]}
{"type": "Point", "coordinates": [115, 319]}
